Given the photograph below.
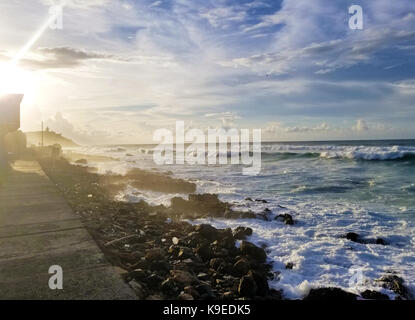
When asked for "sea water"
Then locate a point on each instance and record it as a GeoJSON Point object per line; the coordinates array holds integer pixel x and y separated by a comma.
{"type": "Point", "coordinates": [330, 189]}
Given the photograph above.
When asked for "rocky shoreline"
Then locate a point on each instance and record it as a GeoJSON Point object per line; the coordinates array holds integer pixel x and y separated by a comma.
{"type": "Point", "coordinates": [163, 257]}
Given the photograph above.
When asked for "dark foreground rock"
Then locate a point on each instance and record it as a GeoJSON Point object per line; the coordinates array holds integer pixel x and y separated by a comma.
{"type": "Point", "coordinates": [330, 294]}
{"type": "Point", "coordinates": [159, 255]}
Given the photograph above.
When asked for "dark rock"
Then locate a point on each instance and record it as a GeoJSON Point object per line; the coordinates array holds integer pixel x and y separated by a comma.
{"type": "Point", "coordinates": [330, 294]}
{"type": "Point", "coordinates": [169, 286]}
{"type": "Point", "coordinates": [247, 286]}
{"type": "Point", "coordinates": [204, 252]}
{"type": "Point", "coordinates": [138, 274]}
{"type": "Point", "coordinates": [215, 263]}
{"type": "Point", "coordinates": [381, 241]}
{"type": "Point", "coordinates": [261, 200]}
{"type": "Point", "coordinates": [286, 218]}
{"type": "Point", "coordinates": [185, 253]}
{"type": "Point", "coordinates": [182, 277]}
{"type": "Point", "coordinates": [229, 295]}
{"type": "Point", "coordinates": [253, 251]}
{"type": "Point", "coordinates": [207, 231]}
{"type": "Point", "coordinates": [289, 265]}
{"type": "Point", "coordinates": [241, 267]}
{"type": "Point", "coordinates": [155, 254]}
{"type": "Point", "coordinates": [154, 280]}
{"type": "Point", "coordinates": [192, 291]}
{"type": "Point", "coordinates": [352, 236]}
{"type": "Point", "coordinates": [185, 296]}
{"type": "Point", "coordinates": [240, 233]}
{"type": "Point", "coordinates": [396, 284]}
{"type": "Point", "coordinates": [261, 283]}
{"type": "Point", "coordinates": [374, 295]}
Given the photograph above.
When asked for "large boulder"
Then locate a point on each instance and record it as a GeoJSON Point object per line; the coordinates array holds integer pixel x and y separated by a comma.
{"type": "Point", "coordinates": [253, 252]}
{"type": "Point", "coordinates": [247, 286]}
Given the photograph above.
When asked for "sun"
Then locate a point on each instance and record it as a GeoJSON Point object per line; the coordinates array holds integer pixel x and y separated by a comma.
{"type": "Point", "coordinates": [14, 79]}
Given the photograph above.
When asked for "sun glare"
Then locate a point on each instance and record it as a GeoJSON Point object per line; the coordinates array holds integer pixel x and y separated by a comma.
{"type": "Point", "coordinates": [14, 80]}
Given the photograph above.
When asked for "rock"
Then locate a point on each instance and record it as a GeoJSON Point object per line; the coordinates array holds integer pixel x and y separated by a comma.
{"type": "Point", "coordinates": [247, 286]}
{"type": "Point", "coordinates": [240, 233]}
{"type": "Point", "coordinates": [289, 265]}
{"type": "Point", "coordinates": [374, 295]}
{"type": "Point", "coordinates": [215, 263]}
{"type": "Point", "coordinates": [229, 295]}
{"type": "Point", "coordinates": [352, 236]}
{"type": "Point", "coordinates": [138, 274]}
{"type": "Point", "coordinates": [185, 296]}
{"type": "Point", "coordinates": [203, 276]}
{"type": "Point", "coordinates": [122, 272]}
{"type": "Point", "coordinates": [381, 241]}
{"type": "Point", "coordinates": [192, 291]}
{"type": "Point", "coordinates": [137, 288]}
{"type": "Point", "coordinates": [286, 218]}
{"type": "Point", "coordinates": [183, 278]}
{"type": "Point", "coordinates": [81, 161]}
{"type": "Point", "coordinates": [155, 254]}
{"type": "Point", "coordinates": [330, 294]}
{"type": "Point", "coordinates": [185, 253]}
{"type": "Point", "coordinates": [396, 284]}
{"type": "Point", "coordinates": [248, 199]}
{"type": "Point", "coordinates": [169, 286]}
{"type": "Point", "coordinates": [241, 267]}
{"type": "Point", "coordinates": [207, 231]}
{"type": "Point", "coordinates": [253, 251]}
{"type": "Point", "coordinates": [204, 252]}
{"type": "Point", "coordinates": [154, 280]}
{"type": "Point", "coordinates": [261, 200]}
{"type": "Point", "coordinates": [261, 283]}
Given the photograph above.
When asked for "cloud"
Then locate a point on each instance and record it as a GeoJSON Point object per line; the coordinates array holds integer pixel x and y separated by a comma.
{"type": "Point", "coordinates": [65, 57]}
{"type": "Point", "coordinates": [361, 125]}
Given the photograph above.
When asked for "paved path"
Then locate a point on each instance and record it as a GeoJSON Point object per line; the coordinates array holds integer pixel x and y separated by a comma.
{"type": "Point", "coordinates": [37, 230]}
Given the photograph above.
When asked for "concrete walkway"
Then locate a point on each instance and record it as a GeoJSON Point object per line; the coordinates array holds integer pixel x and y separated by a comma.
{"type": "Point", "coordinates": [37, 230]}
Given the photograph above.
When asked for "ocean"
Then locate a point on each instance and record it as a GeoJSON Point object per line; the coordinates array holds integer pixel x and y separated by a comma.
{"type": "Point", "coordinates": [330, 188]}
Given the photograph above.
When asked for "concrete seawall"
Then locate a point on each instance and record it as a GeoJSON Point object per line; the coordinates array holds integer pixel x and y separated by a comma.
{"type": "Point", "coordinates": [37, 230]}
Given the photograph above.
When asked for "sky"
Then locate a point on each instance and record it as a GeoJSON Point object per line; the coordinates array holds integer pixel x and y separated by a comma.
{"type": "Point", "coordinates": [118, 70]}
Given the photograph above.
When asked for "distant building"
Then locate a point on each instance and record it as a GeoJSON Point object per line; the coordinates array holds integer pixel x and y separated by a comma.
{"type": "Point", "coordinates": [10, 112]}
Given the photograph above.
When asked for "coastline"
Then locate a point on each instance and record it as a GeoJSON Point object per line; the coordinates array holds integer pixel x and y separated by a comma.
{"type": "Point", "coordinates": [161, 256]}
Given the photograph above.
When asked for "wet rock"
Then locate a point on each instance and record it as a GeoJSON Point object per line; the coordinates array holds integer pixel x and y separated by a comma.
{"type": "Point", "coordinates": [353, 237]}
{"type": "Point", "coordinates": [154, 280]}
{"type": "Point", "coordinates": [252, 251]}
{"type": "Point", "coordinates": [215, 263]}
{"type": "Point", "coordinates": [247, 286]}
{"type": "Point", "coordinates": [381, 241]}
{"type": "Point", "coordinates": [395, 284]}
{"type": "Point", "coordinates": [241, 267]}
{"type": "Point", "coordinates": [286, 218]}
{"type": "Point", "coordinates": [138, 274]}
{"type": "Point", "coordinates": [330, 294]}
{"type": "Point", "coordinates": [248, 199]}
{"type": "Point", "coordinates": [185, 253]}
{"type": "Point", "coordinates": [229, 295]}
{"type": "Point", "coordinates": [183, 278]}
{"type": "Point", "coordinates": [192, 291]}
{"type": "Point", "coordinates": [185, 296]}
{"type": "Point", "coordinates": [204, 252]}
{"type": "Point", "coordinates": [241, 233]}
{"type": "Point", "coordinates": [261, 200]}
{"type": "Point", "coordinates": [169, 287]}
{"type": "Point", "coordinates": [155, 254]}
{"type": "Point", "coordinates": [155, 297]}
{"type": "Point", "coordinates": [289, 265]}
{"type": "Point", "coordinates": [207, 231]}
{"type": "Point", "coordinates": [374, 295]}
{"type": "Point", "coordinates": [261, 283]}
